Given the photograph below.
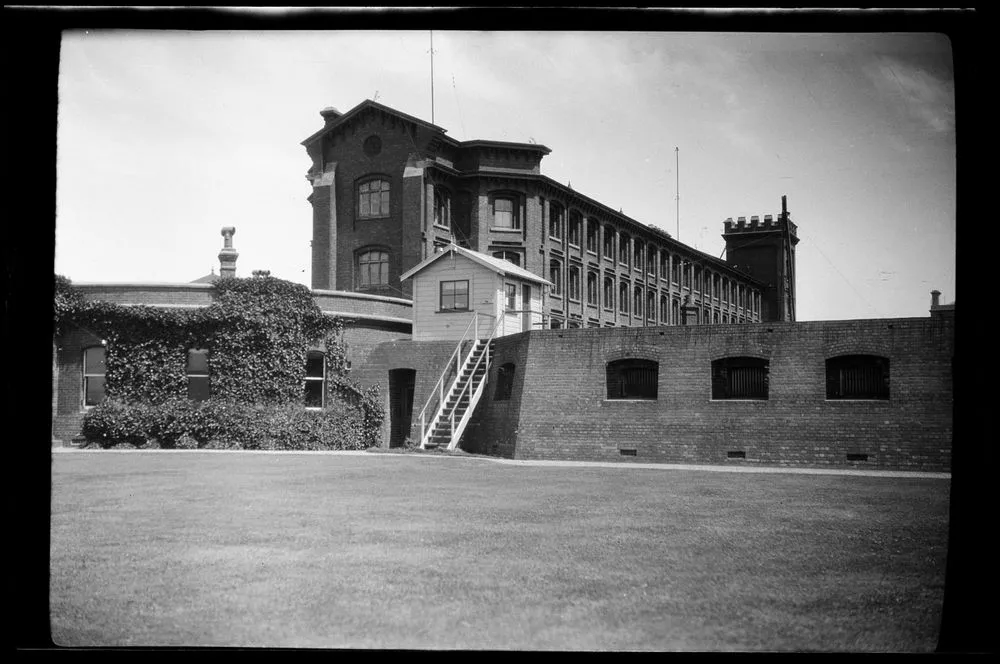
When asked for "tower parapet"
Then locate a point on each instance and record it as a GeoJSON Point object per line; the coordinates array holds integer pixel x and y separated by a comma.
{"type": "Point", "coordinates": [766, 250]}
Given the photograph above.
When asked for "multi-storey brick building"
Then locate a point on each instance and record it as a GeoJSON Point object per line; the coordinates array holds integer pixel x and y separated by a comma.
{"type": "Point", "coordinates": [390, 189]}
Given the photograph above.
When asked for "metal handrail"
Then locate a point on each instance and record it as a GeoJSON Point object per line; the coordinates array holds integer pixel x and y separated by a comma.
{"type": "Point", "coordinates": [473, 397]}
{"type": "Point", "coordinates": [438, 389]}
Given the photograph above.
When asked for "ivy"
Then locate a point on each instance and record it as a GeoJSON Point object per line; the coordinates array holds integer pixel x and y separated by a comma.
{"type": "Point", "coordinates": [257, 332]}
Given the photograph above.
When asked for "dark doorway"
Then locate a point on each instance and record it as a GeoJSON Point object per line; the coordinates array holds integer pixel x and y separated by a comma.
{"type": "Point", "coordinates": [401, 382]}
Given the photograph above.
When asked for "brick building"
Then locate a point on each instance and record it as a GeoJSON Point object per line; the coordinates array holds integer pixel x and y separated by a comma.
{"type": "Point", "coordinates": [390, 189]}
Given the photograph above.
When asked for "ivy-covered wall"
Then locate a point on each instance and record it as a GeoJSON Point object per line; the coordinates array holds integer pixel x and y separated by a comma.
{"type": "Point", "coordinates": [257, 332]}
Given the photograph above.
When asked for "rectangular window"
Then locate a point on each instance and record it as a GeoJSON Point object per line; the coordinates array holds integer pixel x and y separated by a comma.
{"type": "Point", "coordinates": [592, 288]}
{"type": "Point", "coordinates": [592, 236]}
{"type": "Point", "coordinates": [455, 295]}
{"type": "Point", "coordinates": [511, 292]}
{"type": "Point", "coordinates": [609, 243]}
{"type": "Point", "coordinates": [315, 376]}
{"type": "Point", "coordinates": [555, 276]}
{"type": "Point", "coordinates": [623, 250]}
{"type": "Point", "coordinates": [199, 388]}
{"type": "Point", "coordinates": [505, 214]}
{"type": "Point", "coordinates": [373, 199]}
{"type": "Point", "coordinates": [93, 375]}
{"type": "Point", "coordinates": [609, 294]}
{"type": "Point", "coordinates": [740, 378]}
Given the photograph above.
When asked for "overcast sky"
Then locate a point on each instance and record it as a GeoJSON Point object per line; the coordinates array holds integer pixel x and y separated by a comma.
{"type": "Point", "coordinates": [165, 137]}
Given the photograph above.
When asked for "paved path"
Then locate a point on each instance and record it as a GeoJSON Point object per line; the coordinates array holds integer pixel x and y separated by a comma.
{"type": "Point", "coordinates": [620, 465]}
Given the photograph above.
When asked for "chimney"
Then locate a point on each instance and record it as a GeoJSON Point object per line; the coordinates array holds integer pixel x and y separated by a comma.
{"type": "Point", "coordinates": [228, 255]}
{"type": "Point", "coordinates": [330, 115]}
{"type": "Point", "coordinates": [935, 294]}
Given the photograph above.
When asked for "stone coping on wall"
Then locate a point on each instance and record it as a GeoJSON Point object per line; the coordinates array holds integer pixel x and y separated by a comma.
{"type": "Point", "coordinates": [344, 304]}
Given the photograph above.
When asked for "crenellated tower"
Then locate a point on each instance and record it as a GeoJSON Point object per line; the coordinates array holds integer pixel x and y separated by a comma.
{"type": "Point", "coordinates": [765, 250]}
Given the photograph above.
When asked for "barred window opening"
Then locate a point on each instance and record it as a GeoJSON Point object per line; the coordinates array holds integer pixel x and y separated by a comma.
{"type": "Point", "coordinates": [857, 377]}
{"type": "Point", "coordinates": [632, 379]}
{"type": "Point", "coordinates": [740, 378]}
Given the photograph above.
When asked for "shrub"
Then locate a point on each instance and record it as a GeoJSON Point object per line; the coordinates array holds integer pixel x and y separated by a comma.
{"type": "Point", "coordinates": [113, 422]}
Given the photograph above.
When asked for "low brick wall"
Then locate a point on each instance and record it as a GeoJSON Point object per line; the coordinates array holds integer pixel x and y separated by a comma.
{"type": "Point", "coordinates": [559, 410]}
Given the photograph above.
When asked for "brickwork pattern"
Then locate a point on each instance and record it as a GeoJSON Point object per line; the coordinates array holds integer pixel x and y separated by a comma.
{"type": "Point", "coordinates": [562, 412]}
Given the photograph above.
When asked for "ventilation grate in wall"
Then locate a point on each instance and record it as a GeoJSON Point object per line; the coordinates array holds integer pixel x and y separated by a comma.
{"type": "Point", "coordinates": [857, 457]}
{"type": "Point", "coordinates": [626, 452]}
{"type": "Point", "coordinates": [736, 454]}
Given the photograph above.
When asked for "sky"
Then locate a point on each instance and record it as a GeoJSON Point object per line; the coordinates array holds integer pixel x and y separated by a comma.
{"type": "Point", "coordinates": [164, 137]}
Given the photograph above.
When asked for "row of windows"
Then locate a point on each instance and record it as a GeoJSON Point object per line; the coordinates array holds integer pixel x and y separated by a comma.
{"type": "Point", "coordinates": [199, 386]}
{"type": "Point", "coordinates": [847, 377]}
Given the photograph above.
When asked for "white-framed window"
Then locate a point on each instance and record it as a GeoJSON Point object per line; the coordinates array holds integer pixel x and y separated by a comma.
{"type": "Point", "coordinates": [509, 256]}
{"type": "Point", "coordinates": [94, 371]}
{"type": "Point", "coordinates": [510, 292]}
{"type": "Point", "coordinates": [455, 295]}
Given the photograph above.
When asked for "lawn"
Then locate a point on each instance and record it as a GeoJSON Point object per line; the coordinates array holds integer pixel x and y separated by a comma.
{"type": "Point", "coordinates": [403, 551]}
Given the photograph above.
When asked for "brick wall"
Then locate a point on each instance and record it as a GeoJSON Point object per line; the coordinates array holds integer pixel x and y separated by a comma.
{"type": "Point", "coordinates": [559, 408]}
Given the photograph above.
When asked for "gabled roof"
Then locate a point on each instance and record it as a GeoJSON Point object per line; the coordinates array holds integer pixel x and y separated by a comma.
{"type": "Point", "coordinates": [368, 103]}
{"type": "Point", "coordinates": [497, 265]}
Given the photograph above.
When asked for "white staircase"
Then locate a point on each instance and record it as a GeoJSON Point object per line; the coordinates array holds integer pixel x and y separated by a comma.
{"type": "Point", "coordinates": [453, 399]}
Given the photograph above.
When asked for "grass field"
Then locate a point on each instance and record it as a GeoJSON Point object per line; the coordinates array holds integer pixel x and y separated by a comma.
{"type": "Point", "coordinates": [401, 551]}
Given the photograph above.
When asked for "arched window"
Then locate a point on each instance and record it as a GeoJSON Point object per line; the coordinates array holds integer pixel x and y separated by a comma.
{"type": "Point", "coordinates": [556, 219]}
{"type": "Point", "coordinates": [632, 379]}
{"type": "Point", "coordinates": [505, 382]}
{"type": "Point", "coordinates": [857, 377]}
{"type": "Point", "coordinates": [609, 293]}
{"type": "Point", "coordinates": [664, 263]}
{"type": "Point", "coordinates": [506, 212]}
{"type": "Point", "coordinates": [555, 276]}
{"type": "Point", "coordinates": [651, 260]}
{"type": "Point", "coordinates": [373, 198]}
{"type": "Point", "coordinates": [725, 291]}
{"type": "Point", "coordinates": [664, 310]}
{"type": "Point", "coordinates": [442, 208]}
{"type": "Point", "coordinates": [675, 269]}
{"type": "Point", "coordinates": [623, 249]}
{"type": "Point", "coordinates": [651, 305]}
{"type": "Point", "coordinates": [509, 256]}
{"type": "Point", "coordinates": [592, 288]}
{"type": "Point", "coordinates": [592, 235]}
{"type": "Point", "coordinates": [675, 312]}
{"type": "Point", "coordinates": [575, 221]}
{"type": "Point", "coordinates": [574, 283]}
{"type": "Point", "coordinates": [372, 268]}
{"type": "Point", "coordinates": [637, 302]}
{"type": "Point", "coordinates": [697, 278]}
{"type": "Point", "coordinates": [715, 317]}
{"type": "Point", "coordinates": [740, 378]}
{"type": "Point", "coordinates": [315, 379]}
{"type": "Point", "coordinates": [199, 387]}
{"type": "Point", "coordinates": [609, 243]}
{"type": "Point", "coordinates": [623, 298]}
{"type": "Point", "coordinates": [93, 375]}
{"type": "Point", "coordinates": [638, 253]}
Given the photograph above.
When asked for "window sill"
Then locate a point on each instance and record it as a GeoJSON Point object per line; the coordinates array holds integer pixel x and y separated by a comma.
{"type": "Point", "coordinates": [555, 239]}
{"type": "Point", "coordinates": [632, 400]}
{"type": "Point", "coordinates": [381, 216]}
{"type": "Point", "coordinates": [453, 311]}
{"type": "Point", "coordinates": [498, 229]}
{"type": "Point", "coordinates": [575, 300]}
{"type": "Point", "coordinates": [574, 245]}
{"type": "Point", "coordinates": [744, 400]}
{"type": "Point", "coordinates": [592, 252]}
{"type": "Point", "coordinates": [441, 227]}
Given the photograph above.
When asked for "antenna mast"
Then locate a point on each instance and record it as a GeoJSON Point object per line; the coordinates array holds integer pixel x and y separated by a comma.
{"type": "Point", "coordinates": [677, 154]}
{"type": "Point", "coordinates": [432, 77]}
